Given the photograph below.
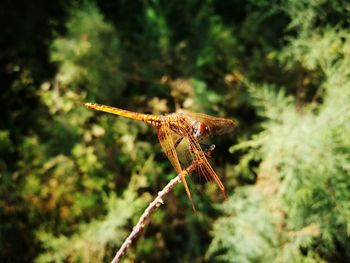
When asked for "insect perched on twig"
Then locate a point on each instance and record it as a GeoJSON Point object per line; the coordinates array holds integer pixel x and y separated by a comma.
{"type": "Point", "coordinates": [173, 129]}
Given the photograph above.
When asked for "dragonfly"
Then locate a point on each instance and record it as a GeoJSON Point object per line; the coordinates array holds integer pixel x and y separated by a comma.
{"type": "Point", "coordinates": [176, 130]}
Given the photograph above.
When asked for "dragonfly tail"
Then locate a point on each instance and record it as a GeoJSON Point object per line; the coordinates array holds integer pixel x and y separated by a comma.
{"type": "Point", "coordinates": [151, 119]}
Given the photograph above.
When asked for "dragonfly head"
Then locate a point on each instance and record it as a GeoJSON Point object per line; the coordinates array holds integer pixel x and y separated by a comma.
{"type": "Point", "coordinates": [201, 131]}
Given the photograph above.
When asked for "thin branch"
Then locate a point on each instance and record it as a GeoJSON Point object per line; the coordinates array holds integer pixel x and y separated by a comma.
{"type": "Point", "coordinates": [151, 207]}
{"type": "Point", "coordinates": [156, 203]}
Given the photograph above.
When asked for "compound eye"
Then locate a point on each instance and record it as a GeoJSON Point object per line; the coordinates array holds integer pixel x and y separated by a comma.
{"type": "Point", "coordinates": [202, 127]}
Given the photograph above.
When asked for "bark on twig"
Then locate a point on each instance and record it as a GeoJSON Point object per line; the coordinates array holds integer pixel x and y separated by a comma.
{"type": "Point", "coordinates": [147, 213]}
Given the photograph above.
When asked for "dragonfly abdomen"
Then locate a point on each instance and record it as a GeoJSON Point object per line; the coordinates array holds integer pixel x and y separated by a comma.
{"type": "Point", "coordinates": [153, 120]}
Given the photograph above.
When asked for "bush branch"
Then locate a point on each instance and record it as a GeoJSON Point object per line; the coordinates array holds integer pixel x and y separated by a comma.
{"type": "Point", "coordinates": [147, 213]}
{"type": "Point", "coordinates": [155, 204]}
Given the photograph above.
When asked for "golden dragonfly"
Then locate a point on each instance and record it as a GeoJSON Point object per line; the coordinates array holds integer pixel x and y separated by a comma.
{"type": "Point", "coordinates": [179, 135]}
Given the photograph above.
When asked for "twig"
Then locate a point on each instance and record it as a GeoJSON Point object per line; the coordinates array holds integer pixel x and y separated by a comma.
{"type": "Point", "coordinates": [151, 207]}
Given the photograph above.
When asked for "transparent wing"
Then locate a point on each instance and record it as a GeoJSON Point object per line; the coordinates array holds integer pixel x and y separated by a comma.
{"type": "Point", "coordinates": [183, 152]}
{"type": "Point", "coordinates": [204, 166]}
{"type": "Point", "coordinates": [216, 125]}
{"type": "Point", "coordinates": [168, 139]}
{"type": "Point", "coordinates": [186, 157]}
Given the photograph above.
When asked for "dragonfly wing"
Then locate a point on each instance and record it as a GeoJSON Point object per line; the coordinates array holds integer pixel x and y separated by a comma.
{"type": "Point", "coordinates": [168, 139]}
{"type": "Point", "coordinates": [204, 166]}
{"type": "Point", "coordinates": [184, 154]}
{"type": "Point", "coordinates": [217, 125]}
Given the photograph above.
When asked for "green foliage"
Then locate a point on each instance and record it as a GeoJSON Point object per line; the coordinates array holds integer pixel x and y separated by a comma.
{"type": "Point", "coordinates": [93, 241]}
{"type": "Point", "coordinates": [248, 232]}
{"type": "Point", "coordinates": [304, 169]}
{"type": "Point", "coordinates": [73, 182]}
{"type": "Point", "coordinates": [89, 54]}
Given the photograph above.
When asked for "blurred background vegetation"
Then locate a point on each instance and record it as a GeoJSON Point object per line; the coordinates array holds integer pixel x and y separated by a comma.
{"type": "Point", "coordinates": [73, 182]}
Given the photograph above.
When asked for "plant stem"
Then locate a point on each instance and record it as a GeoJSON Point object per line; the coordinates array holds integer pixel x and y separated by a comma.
{"type": "Point", "coordinates": [148, 211]}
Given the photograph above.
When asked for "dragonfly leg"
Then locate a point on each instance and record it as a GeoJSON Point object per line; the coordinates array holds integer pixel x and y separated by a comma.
{"type": "Point", "coordinates": [209, 150]}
